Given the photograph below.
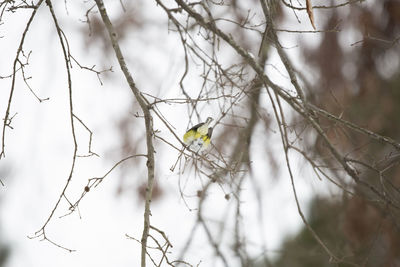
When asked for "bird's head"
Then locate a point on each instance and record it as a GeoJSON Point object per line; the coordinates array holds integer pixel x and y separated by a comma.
{"type": "Point", "coordinates": [209, 120]}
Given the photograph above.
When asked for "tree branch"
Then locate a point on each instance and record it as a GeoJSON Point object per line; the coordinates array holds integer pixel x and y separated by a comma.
{"type": "Point", "coordinates": [148, 123]}
{"type": "Point", "coordinates": [7, 120]}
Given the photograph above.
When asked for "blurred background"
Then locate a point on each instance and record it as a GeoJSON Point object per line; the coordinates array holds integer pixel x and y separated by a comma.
{"type": "Point", "coordinates": [246, 211]}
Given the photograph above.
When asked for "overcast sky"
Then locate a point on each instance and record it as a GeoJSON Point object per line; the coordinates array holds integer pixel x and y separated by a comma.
{"type": "Point", "coordinates": [39, 152]}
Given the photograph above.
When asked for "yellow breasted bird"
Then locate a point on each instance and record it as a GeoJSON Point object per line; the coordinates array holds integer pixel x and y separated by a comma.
{"type": "Point", "coordinates": [198, 137]}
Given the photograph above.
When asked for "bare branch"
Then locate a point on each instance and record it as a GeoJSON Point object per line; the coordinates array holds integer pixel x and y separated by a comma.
{"type": "Point", "coordinates": [95, 181]}
{"type": "Point", "coordinates": [41, 231]}
{"type": "Point", "coordinates": [322, 6]}
{"type": "Point", "coordinates": [148, 122]}
{"type": "Point", "coordinates": [7, 120]}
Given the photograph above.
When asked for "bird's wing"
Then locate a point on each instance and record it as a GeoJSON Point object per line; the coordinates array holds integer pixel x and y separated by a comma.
{"type": "Point", "coordinates": [196, 126]}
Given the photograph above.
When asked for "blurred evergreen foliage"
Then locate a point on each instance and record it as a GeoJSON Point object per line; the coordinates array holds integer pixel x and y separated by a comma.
{"type": "Point", "coordinates": [361, 83]}
{"type": "Point", "coordinates": [4, 253]}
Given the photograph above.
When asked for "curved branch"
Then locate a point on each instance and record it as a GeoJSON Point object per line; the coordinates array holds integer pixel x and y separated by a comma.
{"type": "Point", "coordinates": [7, 119]}
{"type": "Point", "coordinates": [41, 231]}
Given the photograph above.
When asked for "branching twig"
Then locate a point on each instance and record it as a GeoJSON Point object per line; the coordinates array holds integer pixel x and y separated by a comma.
{"type": "Point", "coordinates": [321, 6]}
{"type": "Point", "coordinates": [90, 152]}
{"type": "Point", "coordinates": [92, 69]}
{"type": "Point", "coordinates": [95, 181]}
{"type": "Point", "coordinates": [7, 120]}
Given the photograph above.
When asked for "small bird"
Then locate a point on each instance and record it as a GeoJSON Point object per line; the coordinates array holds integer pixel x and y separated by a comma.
{"type": "Point", "coordinates": [198, 137]}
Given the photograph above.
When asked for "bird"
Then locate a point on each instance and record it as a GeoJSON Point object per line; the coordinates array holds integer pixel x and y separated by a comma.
{"type": "Point", "coordinates": [198, 137]}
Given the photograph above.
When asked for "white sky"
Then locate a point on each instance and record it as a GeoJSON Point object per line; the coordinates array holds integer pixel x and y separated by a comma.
{"type": "Point", "coordinates": [39, 153]}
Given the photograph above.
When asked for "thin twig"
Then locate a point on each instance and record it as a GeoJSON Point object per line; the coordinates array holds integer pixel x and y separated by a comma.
{"type": "Point", "coordinates": [7, 120]}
